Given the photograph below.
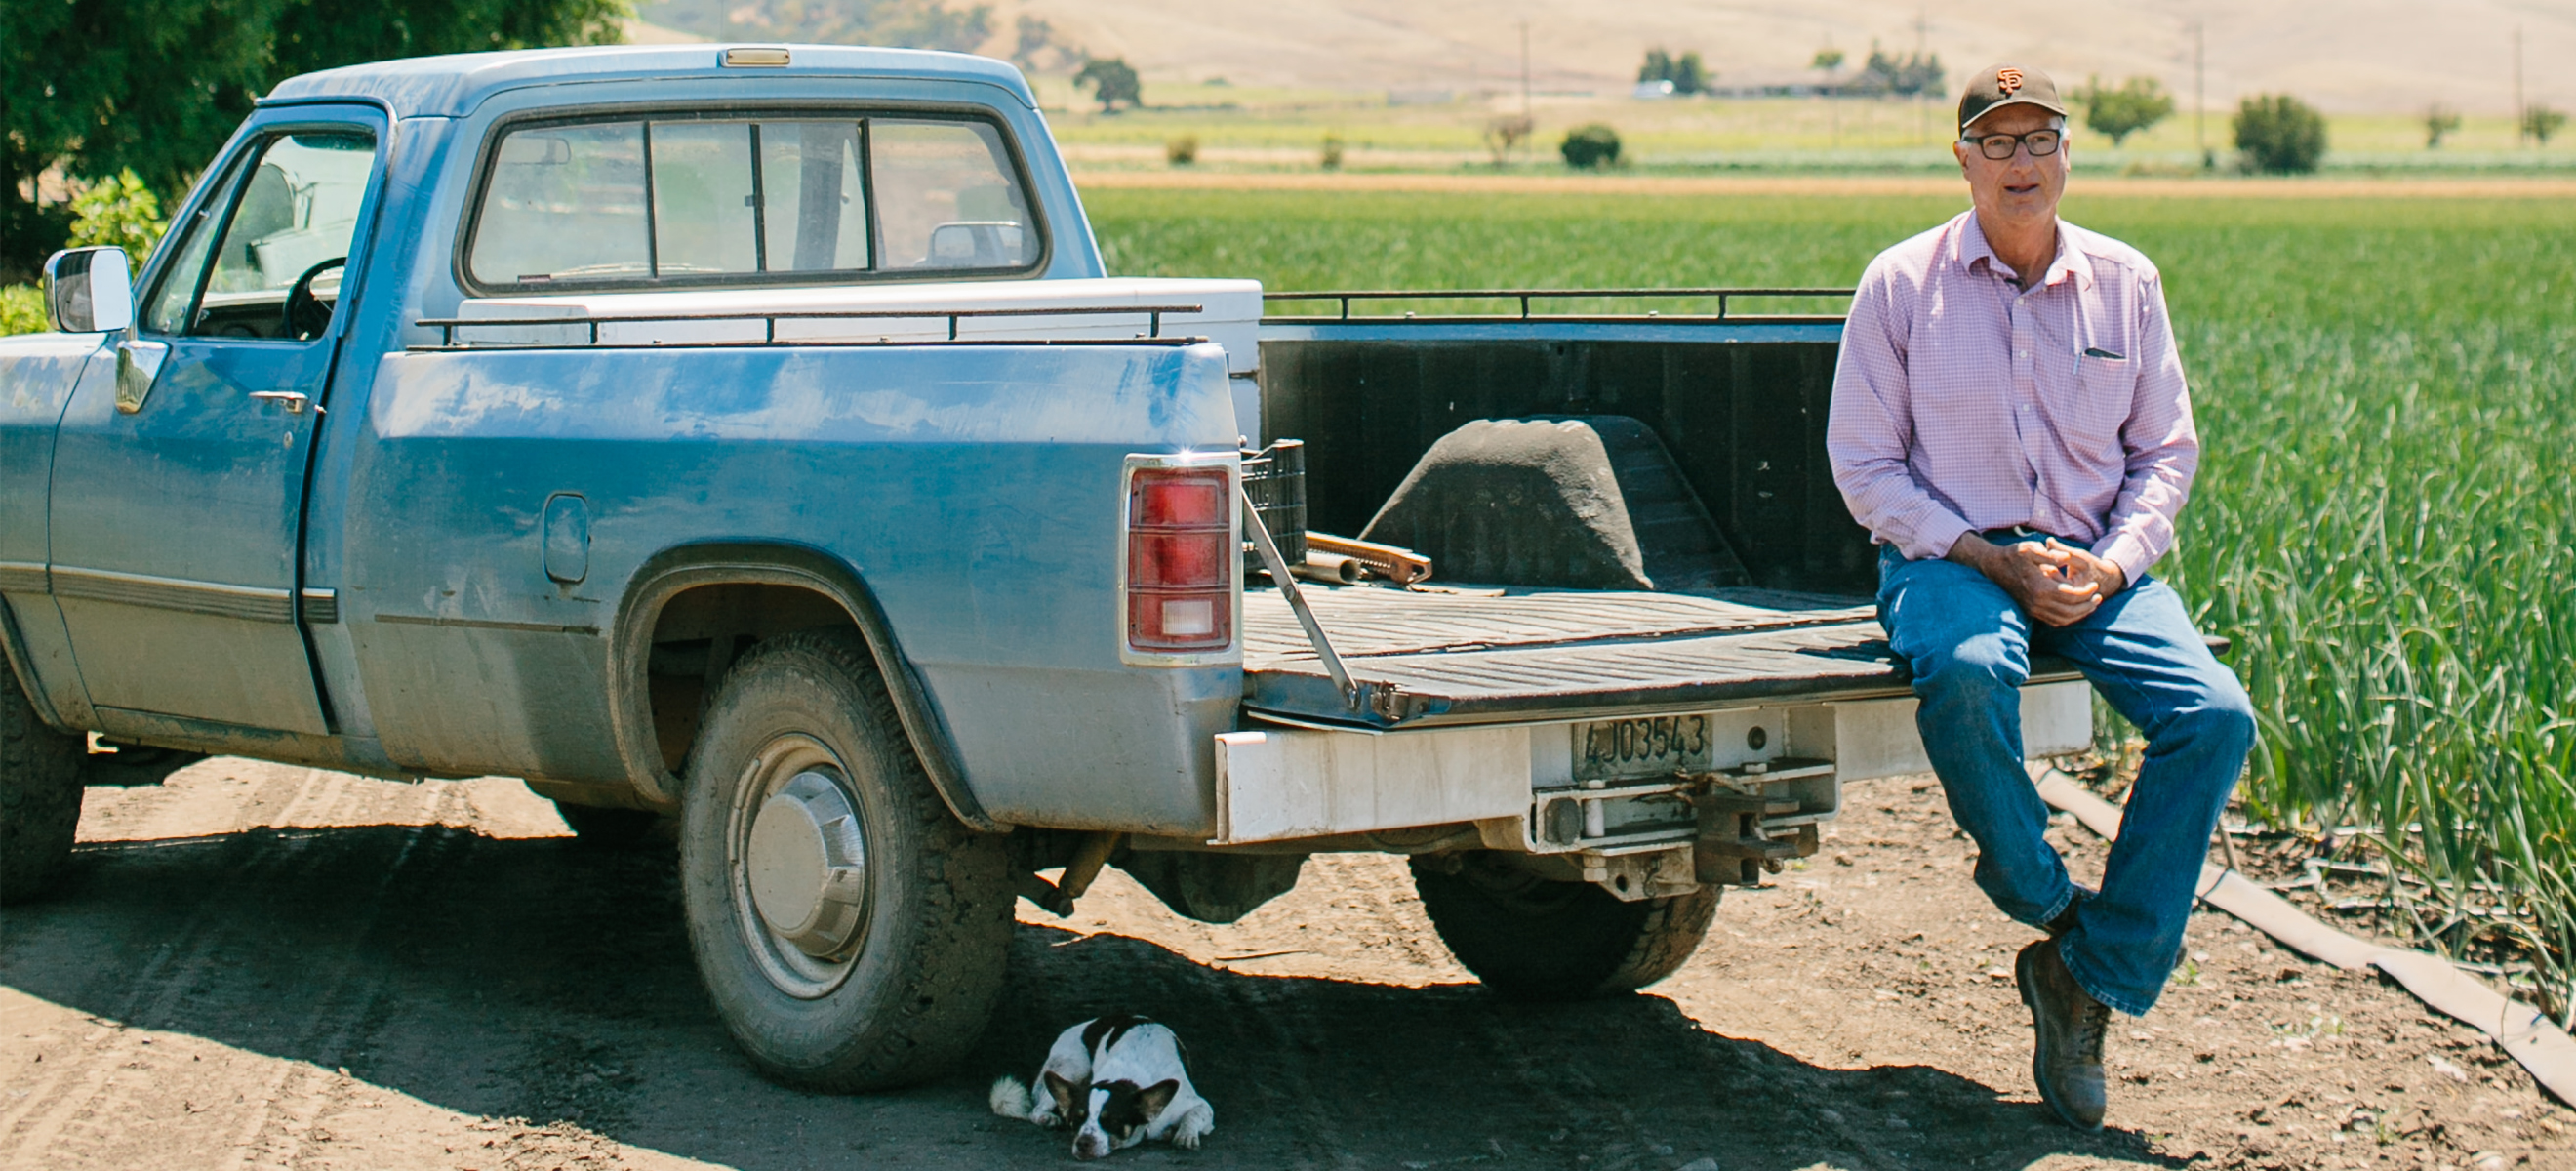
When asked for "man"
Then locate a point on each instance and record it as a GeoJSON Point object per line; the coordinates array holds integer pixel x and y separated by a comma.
{"type": "Point", "coordinates": [2010, 423]}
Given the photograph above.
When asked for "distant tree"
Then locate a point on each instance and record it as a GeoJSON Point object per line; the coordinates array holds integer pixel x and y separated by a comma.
{"type": "Point", "coordinates": [1587, 147]}
{"type": "Point", "coordinates": [1687, 72]}
{"type": "Point", "coordinates": [2439, 121]}
{"type": "Point", "coordinates": [1827, 62]}
{"type": "Point", "coordinates": [1036, 44]}
{"type": "Point", "coordinates": [2539, 122]}
{"type": "Point", "coordinates": [2139, 103]}
{"type": "Point", "coordinates": [2280, 134]}
{"type": "Point", "coordinates": [1112, 81]}
{"type": "Point", "coordinates": [155, 86]}
{"type": "Point", "coordinates": [1914, 74]}
{"type": "Point", "coordinates": [1331, 155]}
{"type": "Point", "coordinates": [1505, 134]}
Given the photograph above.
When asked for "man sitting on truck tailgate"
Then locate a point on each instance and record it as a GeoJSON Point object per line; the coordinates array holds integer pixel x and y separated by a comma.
{"type": "Point", "coordinates": [2010, 422]}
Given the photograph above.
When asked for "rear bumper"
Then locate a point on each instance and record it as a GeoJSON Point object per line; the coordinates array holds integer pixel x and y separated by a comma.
{"type": "Point", "coordinates": [1516, 781]}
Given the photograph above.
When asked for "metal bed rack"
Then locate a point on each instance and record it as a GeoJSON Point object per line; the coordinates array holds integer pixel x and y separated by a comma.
{"type": "Point", "coordinates": [1525, 296]}
{"type": "Point", "coordinates": [447, 326]}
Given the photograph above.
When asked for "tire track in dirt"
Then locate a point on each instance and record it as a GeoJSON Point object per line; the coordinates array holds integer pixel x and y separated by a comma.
{"type": "Point", "coordinates": [90, 1123]}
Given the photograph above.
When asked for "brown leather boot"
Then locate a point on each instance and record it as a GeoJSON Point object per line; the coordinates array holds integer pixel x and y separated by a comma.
{"type": "Point", "coordinates": [2066, 1058]}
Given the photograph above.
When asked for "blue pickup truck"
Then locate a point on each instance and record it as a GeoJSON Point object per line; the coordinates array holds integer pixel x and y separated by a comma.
{"type": "Point", "coordinates": [749, 439]}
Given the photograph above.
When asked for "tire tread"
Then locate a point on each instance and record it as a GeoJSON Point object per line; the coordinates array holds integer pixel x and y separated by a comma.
{"type": "Point", "coordinates": [40, 797]}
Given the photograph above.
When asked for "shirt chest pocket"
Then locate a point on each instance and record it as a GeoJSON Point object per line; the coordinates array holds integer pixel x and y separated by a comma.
{"type": "Point", "coordinates": [2100, 396]}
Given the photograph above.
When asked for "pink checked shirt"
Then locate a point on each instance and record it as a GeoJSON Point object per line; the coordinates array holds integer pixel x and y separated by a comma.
{"type": "Point", "coordinates": [1965, 404]}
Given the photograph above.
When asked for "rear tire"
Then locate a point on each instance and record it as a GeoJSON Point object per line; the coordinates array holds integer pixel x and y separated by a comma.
{"type": "Point", "coordinates": [40, 796]}
{"type": "Point", "coordinates": [851, 931]}
{"type": "Point", "coordinates": [1531, 938]}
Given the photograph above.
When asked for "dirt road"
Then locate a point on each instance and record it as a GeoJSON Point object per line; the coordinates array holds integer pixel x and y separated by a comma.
{"type": "Point", "coordinates": [256, 966]}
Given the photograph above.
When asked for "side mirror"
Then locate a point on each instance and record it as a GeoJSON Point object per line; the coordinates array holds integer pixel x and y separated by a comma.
{"type": "Point", "coordinates": [89, 290]}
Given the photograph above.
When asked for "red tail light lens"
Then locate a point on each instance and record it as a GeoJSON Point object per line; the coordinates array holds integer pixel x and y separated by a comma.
{"type": "Point", "coordinates": [1180, 560]}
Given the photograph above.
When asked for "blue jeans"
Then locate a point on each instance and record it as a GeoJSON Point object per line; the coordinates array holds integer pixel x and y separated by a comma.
{"type": "Point", "coordinates": [1970, 647]}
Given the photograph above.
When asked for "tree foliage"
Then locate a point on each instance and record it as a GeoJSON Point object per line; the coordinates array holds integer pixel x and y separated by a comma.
{"type": "Point", "coordinates": [1586, 147]}
{"type": "Point", "coordinates": [1686, 72]}
{"type": "Point", "coordinates": [2539, 122]}
{"type": "Point", "coordinates": [2139, 103]}
{"type": "Point", "coordinates": [2280, 135]}
{"type": "Point", "coordinates": [1914, 74]}
{"type": "Point", "coordinates": [2439, 122]}
{"type": "Point", "coordinates": [1111, 81]}
{"type": "Point", "coordinates": [120, 212]}
{"type": "Point", "coordinates": [1035, 43]}
{"type": "Point", "coordinates": [155, 86]}
{"type": "Point", "coordinates": [1505, 134]}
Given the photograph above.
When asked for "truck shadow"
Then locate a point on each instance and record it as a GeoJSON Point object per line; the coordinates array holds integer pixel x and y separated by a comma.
{"type": "Point", "coordinates": [547, 980]}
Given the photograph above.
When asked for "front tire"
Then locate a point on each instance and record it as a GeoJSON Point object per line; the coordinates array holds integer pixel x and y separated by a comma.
{"type": "Point", "coordinates": [40, 796]}
{"type": "Point", "coordinates": [1531, 938]}
{"type": "Point", "coordinates": [851, 931]}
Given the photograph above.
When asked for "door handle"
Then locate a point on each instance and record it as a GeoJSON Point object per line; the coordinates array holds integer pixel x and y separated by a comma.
{"type": "Point", "coordinates": [294, 399]}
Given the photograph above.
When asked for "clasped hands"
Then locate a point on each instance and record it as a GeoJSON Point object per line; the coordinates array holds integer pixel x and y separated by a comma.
{"type": "Point", "coordinates": [2054, 582]}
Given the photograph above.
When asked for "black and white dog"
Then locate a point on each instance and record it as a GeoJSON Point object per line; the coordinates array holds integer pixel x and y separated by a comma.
{"type": "Point", "coordinates": [1117, 1080]}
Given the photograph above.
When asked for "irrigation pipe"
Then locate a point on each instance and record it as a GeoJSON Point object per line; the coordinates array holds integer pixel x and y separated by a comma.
{"type": "Point", "coordinates": [2519, 1029]}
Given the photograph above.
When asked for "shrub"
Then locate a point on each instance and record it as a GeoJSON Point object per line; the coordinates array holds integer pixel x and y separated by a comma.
{"type": "Point", "coordinates": [1332, 153]}
{"type": "Point", "coordinates": [1182, 151]}
{"type": "Point", "coordinates": [118, 212]}
{"type": "Point", "coordinates": [1595, 145]}
{"type": "Point", "coordinates": [2280, 135]}
{"type": "Point", "coordinates": [22, 310]}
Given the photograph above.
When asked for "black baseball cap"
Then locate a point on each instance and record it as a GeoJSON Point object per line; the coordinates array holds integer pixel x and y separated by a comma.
{"type": "Point", "coordinates": [2007, 85]}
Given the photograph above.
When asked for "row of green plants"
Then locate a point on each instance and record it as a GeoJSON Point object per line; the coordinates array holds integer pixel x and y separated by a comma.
{"type": "Point", "coordinates": [2383, 522]}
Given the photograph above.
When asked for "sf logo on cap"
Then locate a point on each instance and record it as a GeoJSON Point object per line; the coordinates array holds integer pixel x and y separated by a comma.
{"type": "Point", "coordinates": [2008, 80]}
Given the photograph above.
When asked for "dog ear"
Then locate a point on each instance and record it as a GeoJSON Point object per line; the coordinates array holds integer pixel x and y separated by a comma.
{"type": "Point", "coordinates": [1068, 1098]}
{"type": "Point", "coordinates": [1153, 1098]}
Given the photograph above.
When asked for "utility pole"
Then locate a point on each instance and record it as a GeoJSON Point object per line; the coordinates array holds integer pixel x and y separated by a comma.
{"type": "Point", "coordinates": [1525, 107]}
{"type": "Point", "coordinates": [2200, 92]}
{"type": "Point", "coordinates": [1922, 107]}
{"type": "Point", "coordinates": [2521, 112]}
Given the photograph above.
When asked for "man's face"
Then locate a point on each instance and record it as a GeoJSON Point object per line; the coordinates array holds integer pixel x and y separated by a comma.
{"type": "Point", "coordinates": [2019, 190]}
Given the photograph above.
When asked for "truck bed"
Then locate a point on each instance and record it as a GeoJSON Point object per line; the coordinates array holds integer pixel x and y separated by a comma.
{"type": "Point", "coordinates": [1481, 657]}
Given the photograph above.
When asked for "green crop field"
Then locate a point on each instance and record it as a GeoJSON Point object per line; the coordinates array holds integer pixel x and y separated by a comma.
{"type": "Point", "coordinates": [2385, 520]}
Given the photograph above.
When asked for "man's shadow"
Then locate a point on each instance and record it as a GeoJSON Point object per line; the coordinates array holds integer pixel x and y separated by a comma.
{"type": "Point", "coordinates": [547, 979]}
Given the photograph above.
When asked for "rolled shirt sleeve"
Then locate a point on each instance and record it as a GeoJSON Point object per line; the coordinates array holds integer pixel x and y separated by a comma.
{"type": "Point", "coordinates": [1870, 430]}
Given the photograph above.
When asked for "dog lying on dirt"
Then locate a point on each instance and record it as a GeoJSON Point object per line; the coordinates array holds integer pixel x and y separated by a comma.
{"type": "Point", "coordinates": [1118, 1081]}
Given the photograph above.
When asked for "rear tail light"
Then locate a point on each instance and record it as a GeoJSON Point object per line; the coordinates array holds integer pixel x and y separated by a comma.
{"type": "Point", "coordinates": [1181, 556]}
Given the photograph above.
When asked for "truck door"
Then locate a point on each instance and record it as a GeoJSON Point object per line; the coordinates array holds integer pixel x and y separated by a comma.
{"type": "Point", "coordinates": [179, 485]}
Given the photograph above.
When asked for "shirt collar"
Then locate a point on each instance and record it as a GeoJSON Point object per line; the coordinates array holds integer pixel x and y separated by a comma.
{"type": "Point", "coordinates": [1969, 246]}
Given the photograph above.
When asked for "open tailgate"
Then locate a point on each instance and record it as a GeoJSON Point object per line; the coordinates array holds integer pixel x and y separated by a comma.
{"type": "Point", "coordinates": [1430, 659]}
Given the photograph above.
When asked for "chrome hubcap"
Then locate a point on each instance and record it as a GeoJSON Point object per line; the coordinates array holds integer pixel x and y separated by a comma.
{"type": "Point", "coordinates": [799, 867]}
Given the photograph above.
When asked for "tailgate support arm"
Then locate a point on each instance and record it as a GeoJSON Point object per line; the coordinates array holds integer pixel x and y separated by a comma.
{"type": "Point", "coordinates": [1288, 587]}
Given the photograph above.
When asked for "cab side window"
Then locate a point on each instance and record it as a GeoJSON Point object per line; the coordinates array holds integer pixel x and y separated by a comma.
{"type": "Point", "coordinates": [273, 270]}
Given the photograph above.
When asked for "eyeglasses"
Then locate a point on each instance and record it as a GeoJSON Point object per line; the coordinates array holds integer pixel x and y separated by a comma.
{"type": "Point", "coordinates": [1998, 147]}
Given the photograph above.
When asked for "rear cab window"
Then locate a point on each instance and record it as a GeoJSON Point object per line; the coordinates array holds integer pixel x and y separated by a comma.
{"type": "Point", "coordinates": [677, 200]}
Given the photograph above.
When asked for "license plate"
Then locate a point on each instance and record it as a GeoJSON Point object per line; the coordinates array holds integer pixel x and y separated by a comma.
{"type": "Point", "coordinates": [1621, 749]}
